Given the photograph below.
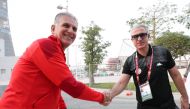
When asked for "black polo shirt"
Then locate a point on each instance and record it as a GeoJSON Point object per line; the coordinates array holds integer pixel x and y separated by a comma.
{"type": "Point", "coordinates": [159, 81]}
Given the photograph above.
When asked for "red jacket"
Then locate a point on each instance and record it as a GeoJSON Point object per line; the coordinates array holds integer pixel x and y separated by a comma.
{"type": "Point", "coordinates": [38, 76]}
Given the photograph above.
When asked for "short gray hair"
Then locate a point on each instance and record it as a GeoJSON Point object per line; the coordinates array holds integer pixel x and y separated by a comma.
{"type": "Point", "coordinates": [140, 26]}
{"type": "Point", "coordinates": [59, 15]}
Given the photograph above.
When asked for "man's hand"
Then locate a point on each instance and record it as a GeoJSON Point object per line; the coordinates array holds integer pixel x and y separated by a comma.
{"type": "Point", "coordinates": [184, 103]}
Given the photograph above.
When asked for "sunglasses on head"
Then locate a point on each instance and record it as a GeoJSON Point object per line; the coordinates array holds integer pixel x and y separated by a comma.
{"type": "Point", "coordinates": [141, 35]}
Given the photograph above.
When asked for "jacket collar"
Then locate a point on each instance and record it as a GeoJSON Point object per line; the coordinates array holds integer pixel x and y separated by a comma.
{"type": "Point", "coordinates": [57, 40]}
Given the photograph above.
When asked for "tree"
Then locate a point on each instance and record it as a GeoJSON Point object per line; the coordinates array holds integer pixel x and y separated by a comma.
{"type": "Point", "coordinates": [94, 48]}
{"type": "Point", "coordinates": [158, 18]}
{"type": "Point", "coordinates": [185, 17]}
{"type": "Point", "coordinates": [176, 42]}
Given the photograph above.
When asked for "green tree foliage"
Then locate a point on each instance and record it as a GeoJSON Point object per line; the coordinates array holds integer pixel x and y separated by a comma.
{"type": "Point", "coordinates": [185, 17]}
{"type": "Point", "coordinates": [158, 17]}
{"type": "Point", "coordinates": [177, 43]}
{"type": "Point", "coordinates": [94, 48]}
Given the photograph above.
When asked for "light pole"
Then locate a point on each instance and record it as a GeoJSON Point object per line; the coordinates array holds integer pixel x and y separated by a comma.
{"type": "Point", "coordinates": [76, 54]}
{"type": "Point", "coordinates": [60, 7]}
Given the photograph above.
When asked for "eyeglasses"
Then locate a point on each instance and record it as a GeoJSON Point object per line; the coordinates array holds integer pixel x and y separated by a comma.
{"type": "Point", "coordinates": [141, 35]}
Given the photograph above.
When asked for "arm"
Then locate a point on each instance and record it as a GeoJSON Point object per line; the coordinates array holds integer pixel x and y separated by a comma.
{"type": "Point", "coordinates": [79, 90]}
{"type": "Point", "coordinates": [178, 81]}
{"type": "Point", "coordinates": [120, 85]}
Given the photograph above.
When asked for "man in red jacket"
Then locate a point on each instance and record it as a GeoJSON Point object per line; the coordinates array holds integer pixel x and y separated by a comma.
{"type": "Point", "coordinates": [41, 72]}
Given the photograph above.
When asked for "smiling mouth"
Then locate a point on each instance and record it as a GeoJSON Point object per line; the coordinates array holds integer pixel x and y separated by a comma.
{"type": "Point", "coordinates": [67, 37]}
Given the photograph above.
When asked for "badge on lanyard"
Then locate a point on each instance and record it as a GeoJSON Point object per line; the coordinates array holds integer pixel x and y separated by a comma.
{"type": "Point", "coordinates": [145, 91]}
{"type": "Point", "coordinates": [139, 71]}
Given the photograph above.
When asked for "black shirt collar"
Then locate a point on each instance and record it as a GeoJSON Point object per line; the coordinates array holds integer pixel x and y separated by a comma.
{"type": "Point", "coordinates": [149, 52]}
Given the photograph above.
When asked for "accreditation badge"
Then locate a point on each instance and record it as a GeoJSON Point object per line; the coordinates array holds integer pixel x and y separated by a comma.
{"type": "Point", "coordinates": [145, 91]}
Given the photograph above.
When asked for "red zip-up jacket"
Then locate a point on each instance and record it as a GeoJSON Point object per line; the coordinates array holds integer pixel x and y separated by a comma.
{"type": "Point", "coordinates": [38, 76]}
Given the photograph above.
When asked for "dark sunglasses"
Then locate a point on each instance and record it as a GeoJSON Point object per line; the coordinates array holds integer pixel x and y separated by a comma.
{"type": "Point", "coordinates": [141, 35]}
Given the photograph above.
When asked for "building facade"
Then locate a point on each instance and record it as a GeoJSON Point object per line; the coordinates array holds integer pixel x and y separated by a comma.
{"type": "Point", "coordinates": [6, 45]}
{"type": "Point", "coordinates": [6, 65]}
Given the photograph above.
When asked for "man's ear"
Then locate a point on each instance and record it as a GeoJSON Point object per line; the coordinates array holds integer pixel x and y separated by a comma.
{"type": "Point", "coordinates": [52, 28]}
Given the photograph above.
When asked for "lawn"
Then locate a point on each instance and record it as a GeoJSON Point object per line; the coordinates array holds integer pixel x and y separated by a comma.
{"type": "Point", "coordinates": [130, 86]}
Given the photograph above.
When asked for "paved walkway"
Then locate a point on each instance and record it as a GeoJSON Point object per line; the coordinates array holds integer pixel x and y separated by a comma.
{"type": "Point", "coordinates": [122, 101]}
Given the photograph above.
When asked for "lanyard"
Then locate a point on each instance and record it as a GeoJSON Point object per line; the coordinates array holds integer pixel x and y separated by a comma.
{"type": "Point", "coordinates": [137, 66]}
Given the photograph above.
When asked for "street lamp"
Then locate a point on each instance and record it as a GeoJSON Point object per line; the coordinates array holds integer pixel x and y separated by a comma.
{"type": "Point", "coordinates": [76, 59]}
{"type": "Point", "coordinates": [60, 7]}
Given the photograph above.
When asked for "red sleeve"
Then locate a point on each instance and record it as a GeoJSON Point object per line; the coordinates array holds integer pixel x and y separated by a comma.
{"type": "Point", "coordinates": [51, 61]}
{"type": "Point", "coordinates": [79, 90]}
{"type": "Point", "coordinates": [91, 95]}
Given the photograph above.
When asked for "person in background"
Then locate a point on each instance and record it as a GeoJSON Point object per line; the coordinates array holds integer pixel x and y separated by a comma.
{"type": "Point", "coordinates": [41, 72]}
{"type": "Point", "coordinates": [149, 66]}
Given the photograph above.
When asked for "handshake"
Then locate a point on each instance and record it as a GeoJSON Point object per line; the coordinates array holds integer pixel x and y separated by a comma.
{"type": "Point", "coordinates": [107, 98]}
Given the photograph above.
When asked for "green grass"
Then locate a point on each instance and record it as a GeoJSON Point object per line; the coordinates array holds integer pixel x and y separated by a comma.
{"type": "Point", "coordinates": [130, 86]}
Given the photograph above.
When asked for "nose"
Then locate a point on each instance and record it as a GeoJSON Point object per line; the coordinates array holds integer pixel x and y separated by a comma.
{"type": "Point", "coordinates": [139, 38]}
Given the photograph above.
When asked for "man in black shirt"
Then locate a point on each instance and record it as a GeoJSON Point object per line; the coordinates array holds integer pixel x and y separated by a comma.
{"type": "Point", "coordinates": [149, 66]}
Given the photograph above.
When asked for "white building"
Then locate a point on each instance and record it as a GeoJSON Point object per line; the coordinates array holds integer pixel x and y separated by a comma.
{"type": "Point", "coordinates": [2, 48]}
{"type": "Point", "coordinates": [6, 65]}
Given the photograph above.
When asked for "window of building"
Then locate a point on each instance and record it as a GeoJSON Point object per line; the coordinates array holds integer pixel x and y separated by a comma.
{"type": "Point", "coordinates": [4, 5]}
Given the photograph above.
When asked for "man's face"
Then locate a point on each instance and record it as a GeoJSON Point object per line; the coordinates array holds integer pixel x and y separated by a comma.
{"type": "Point", "coordinates": [65, 30]}
{"type": "Point", "coordinates": [139, 37]}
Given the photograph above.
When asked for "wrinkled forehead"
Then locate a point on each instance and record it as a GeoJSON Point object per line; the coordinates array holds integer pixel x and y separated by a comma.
{"type": "Point", "coordinates": [69, 20]}
{"type": "Point", "coordinates": [138, 30]}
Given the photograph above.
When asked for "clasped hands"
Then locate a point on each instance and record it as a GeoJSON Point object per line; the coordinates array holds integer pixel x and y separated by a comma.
{"type": "Point", "coordinates": [107, 98]}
